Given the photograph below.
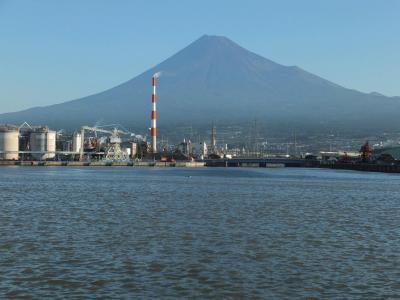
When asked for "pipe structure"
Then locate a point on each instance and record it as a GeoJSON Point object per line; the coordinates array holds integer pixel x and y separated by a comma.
{"type": "Point", "coordinates": [154, 117]}
{"type": "Point", "coordinates": [82, 144]}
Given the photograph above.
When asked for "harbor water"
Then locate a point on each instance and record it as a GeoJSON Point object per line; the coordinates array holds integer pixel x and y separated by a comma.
{"type": "Point", "coordinates": [147, 233]}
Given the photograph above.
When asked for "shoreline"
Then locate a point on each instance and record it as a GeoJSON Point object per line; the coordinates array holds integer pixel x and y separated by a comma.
{"type": "Point", "coordinates": [380, 168]}
{"type": "Point", "coordinates": [188, 164]}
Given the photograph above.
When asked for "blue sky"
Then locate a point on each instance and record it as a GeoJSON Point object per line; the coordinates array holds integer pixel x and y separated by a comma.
{"type": "Point", "coordinates": [54, 51]}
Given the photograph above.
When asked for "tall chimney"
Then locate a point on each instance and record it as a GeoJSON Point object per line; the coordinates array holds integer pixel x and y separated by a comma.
{"type": "Point", "coordinates": [213, 137]}
{"type": "Point", "coordinates": [154, 117]}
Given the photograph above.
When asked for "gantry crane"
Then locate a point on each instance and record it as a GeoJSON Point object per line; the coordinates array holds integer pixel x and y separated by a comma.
{"type": "Point", "coordinates": [113, 151]}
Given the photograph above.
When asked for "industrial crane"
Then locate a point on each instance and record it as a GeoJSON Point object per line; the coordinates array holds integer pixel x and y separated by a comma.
{"type": "Point", "coordinates": [113, 151]}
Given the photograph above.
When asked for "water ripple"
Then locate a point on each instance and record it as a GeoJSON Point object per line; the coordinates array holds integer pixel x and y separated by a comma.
{"type": "Point", "coordinates": [129, 233]}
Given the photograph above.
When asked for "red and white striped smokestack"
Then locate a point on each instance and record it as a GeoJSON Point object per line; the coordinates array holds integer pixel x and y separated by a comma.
{"type": "Point", "coordinates": [154, 116]}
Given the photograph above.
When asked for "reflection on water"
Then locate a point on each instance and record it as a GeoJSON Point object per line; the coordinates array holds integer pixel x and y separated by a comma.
{"type": "Point", "coordinates": [204, 233]}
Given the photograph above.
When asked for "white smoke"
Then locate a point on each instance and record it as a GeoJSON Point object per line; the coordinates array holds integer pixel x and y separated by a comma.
{"type": "Point", "coordinates": [98, 123]}
{"type": "Point", "coordinates": [158, 74]}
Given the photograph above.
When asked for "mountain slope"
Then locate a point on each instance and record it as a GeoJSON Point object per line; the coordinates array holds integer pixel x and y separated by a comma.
{"type": "Point", "coordinates": [215, 79]}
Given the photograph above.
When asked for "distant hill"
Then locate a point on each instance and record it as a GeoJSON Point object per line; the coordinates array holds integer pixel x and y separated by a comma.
{"type": "Point", "coordinates": [215, 79]}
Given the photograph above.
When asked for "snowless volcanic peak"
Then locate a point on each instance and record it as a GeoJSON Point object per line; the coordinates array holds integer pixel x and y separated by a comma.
{"type": "Point", "coordinates": [214, 78]}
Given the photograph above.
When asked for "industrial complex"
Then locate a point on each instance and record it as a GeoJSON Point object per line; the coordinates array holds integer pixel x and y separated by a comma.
{"type": "Point", "coordinates": [28, 144]}
{"type": "Point", "coordinates": [107, 144]}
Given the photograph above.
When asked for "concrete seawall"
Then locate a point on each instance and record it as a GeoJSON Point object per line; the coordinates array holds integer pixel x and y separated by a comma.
{"type": "Point", "coordinates": [385, 168]}
{"type": "Point", "coordinates": [243, 163]}
{"type": "Point", "coordinates": [187, 164]}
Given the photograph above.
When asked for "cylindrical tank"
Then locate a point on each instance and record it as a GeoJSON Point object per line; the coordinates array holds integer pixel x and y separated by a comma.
{"type": "Point", "coordinates": [43, 142]}
{"type": "Point", "coordinates": [133, 153]}
{"type": "Point", "coordinates": [9, 142]}
{"type": "Point", "coordinates": [51, 144]}
{"type": "Point", "coordinates": [76, 142]}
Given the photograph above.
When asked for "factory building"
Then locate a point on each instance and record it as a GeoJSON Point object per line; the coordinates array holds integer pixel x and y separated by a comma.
{"type": "Point", "coordinates": [63, 142]}
{"type": "Point", "coordinates": [9, 142]}
{"type": "Point", "coordinates": [333, 156]}
{"type": "Point", "coordinates": [392, 151]}
{"type": "Point", "coordinates": [200, 150]}
{"type": "Point", "coordinates": [39, 143]}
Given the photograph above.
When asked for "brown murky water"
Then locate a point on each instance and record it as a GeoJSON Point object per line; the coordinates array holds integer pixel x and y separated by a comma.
{"type": "Point", "coordinates": [125, 233]}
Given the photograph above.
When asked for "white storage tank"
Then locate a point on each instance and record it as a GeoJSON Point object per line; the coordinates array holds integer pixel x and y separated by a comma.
{"type": "Point", "coordinates": [76, 142]}
{"type": "Point", "coordinates": [9, 142]}
{"type": "Point", "coordinates": [43, 142]}
{"type": "Point", "coordinates": [51, 143]}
